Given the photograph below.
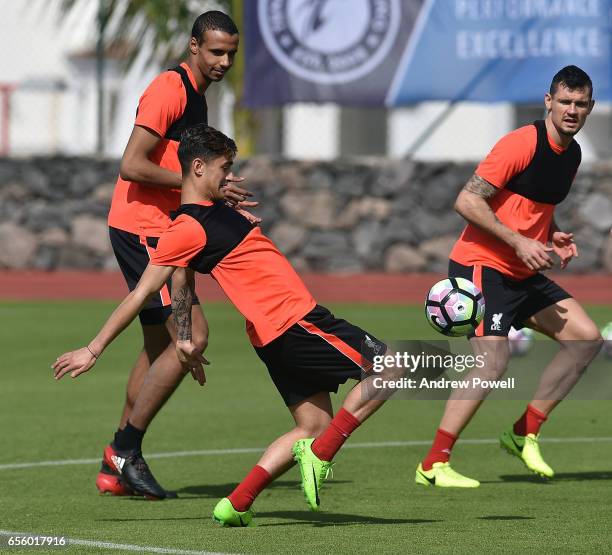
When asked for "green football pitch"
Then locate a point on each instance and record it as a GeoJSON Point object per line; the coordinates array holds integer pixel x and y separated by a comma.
{"type": "Point", "coordinates": [206, 439]}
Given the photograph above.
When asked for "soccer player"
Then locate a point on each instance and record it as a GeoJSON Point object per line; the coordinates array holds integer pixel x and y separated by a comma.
{"type": "Point", "coordinates": [308, 352]}
{"type": "Point", "coordinates": [147, 190]}
{"type": "Point", "coordinates": [509, 240]}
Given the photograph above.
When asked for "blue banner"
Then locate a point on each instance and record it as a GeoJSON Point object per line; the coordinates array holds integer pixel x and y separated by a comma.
{"type": "Point", "coordinates": [398, 52]}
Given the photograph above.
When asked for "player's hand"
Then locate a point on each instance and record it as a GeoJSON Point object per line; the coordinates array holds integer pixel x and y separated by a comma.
{"type": "Point", "coordinates": [75, 362]}
{"type": "Point", "coordinates": [233, 193]}
{"type": "Point", "coordinates": [564, 247]}
{"type": "Point", "coordinates": [236, 197]}
{"type": "Point", "coordinates": [534, 254]}
{"type": "Point", "coordinates": [191, 359]}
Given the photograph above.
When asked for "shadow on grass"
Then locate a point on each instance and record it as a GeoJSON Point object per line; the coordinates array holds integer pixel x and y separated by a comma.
{"type": "Point", "coordinates": [319, 520]}
{"type": "Point", "coordinates": [505, 517]}
{"type": "Point", "coordinates": [222, 490]}
{"type": "Point", "coordinates": [560, 477]}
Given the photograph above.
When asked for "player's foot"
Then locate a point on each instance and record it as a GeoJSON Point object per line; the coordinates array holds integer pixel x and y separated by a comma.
{"type": "Point", "coordinates": [135, 473]}
{"type": "Point", "coordinates": [442, 475]}
{"type": "Point", "coordinates": [313, 470]}
{"type": "Point", "coordinates": [527, 449]}
{"type": "Point", "coordinates": [225, 515]}
{"type": "Point", "coordinates": [110, 481]}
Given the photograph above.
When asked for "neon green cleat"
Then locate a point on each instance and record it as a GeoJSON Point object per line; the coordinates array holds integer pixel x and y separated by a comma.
{"type": "Point", "coordinates": [313, 470]}
{"type": "Point", "coordinates": [527, 449]}
{"type": "Point", "coordinates": [225, 515]}
{"type": "Point", "coordinates": [442, 475]}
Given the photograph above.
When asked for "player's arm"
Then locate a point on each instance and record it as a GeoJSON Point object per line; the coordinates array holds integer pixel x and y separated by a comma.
{"type": "Point", "coordinates": [562, 244]}
{"type": "Point", "coordinates": [81, 360]}
{"type": "Point", "coordinates": [472, 203]}
{"type": "Point", "coordinates": [136, 164]}
{"type": "Point", "coordinates": [183, 290]}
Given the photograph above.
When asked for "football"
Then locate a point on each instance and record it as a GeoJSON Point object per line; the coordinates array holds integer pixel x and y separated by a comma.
{"type": "Point", "coordinates": [606, 333]}
{"type": "Point", "coordinates": [454, 307]}
{"type": "Point", "coordinates": [520, 341]}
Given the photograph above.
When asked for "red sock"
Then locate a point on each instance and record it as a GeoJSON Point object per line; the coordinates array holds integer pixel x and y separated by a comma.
{"type": "Point", "coordinates": [247, 490]}
{"type": "Point", "coordinates": [440, 449]}
{"type": "Point", "coordinates": [338, 431]}
{"type": "Point", "coordinates": [529, 422]}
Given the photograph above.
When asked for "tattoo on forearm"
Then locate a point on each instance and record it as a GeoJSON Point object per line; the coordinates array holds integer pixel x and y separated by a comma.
{"type": "Point", "coordinates": [181, 305]}
{"type": "Point", "coordinates": [480, 187]}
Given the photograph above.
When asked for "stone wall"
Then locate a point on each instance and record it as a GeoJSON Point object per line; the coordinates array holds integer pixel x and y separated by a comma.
{"type": "Point", "coordinates": [342, 216]}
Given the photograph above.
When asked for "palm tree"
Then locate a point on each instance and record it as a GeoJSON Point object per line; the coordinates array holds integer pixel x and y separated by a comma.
{"type": "Point", "coordinates": [166, 25]}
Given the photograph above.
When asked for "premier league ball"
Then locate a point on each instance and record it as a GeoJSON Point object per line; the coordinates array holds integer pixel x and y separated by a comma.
{"type": "Point", "coordinates": [454, 307]}
{"type": "Point", "coordinates": [606, 333]}
{"type": "Point", "coordinates": [520, 341]}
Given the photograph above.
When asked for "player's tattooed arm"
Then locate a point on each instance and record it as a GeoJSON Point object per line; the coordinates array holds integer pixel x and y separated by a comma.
{"type": "Point", "coordinates": [189, 355]}
{"type": "Point", "coordinates": [473, 204]}
{"type": "Point", "coordinates": [481, 187]}
{"type": "Point", "coordinates": [182, 299]}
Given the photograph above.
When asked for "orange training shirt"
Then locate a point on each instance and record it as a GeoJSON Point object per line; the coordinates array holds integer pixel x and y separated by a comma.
{"type": "Point", "coordinates": [256, 277]}
{"type": "Point", "coordinates": [510, 156]}
{"type": "Point", "coordinates": [144, 209]}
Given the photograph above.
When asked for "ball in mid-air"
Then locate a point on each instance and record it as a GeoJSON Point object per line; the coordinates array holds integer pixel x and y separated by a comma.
{"type": "Point", "coordinates": [454, 306]}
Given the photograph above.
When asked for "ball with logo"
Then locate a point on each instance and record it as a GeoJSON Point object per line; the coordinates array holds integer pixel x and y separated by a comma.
{"type": "Point", "coordinates": [454, 307]}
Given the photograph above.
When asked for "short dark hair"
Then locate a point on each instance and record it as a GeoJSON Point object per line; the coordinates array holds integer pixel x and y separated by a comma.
{"type": "Point", "coordinates": [203, 141]}
{"type": "Point", "coordinates": [573, 78]}
{"type": "Point", "coordinates": [212, 21]}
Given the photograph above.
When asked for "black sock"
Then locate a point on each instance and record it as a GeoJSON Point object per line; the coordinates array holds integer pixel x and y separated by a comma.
{"type": "Point", "coordinates": [128, 439]}
{"type": "Point", "coordinates": [117, 433]}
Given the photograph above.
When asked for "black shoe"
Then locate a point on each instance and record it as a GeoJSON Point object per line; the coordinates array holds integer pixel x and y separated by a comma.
{"type": "Point", "coordinates": [136, 474]}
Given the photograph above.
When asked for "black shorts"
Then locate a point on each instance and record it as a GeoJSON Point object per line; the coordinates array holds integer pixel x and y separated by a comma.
{"type": "Point", "coordinates": [508, 302]}
{"type": "Point", "coordinates": [133, 253]}
{"type": "Point", "coordinates": [318, 353]}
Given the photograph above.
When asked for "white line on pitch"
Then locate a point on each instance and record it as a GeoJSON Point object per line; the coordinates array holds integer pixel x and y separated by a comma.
{"type": "Point", "coordinates": [239, 451]}
{"type": "Point", "coordinates": [110, 545]}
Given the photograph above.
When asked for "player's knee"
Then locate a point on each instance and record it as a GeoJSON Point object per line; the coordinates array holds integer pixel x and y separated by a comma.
{"type": "Point", "coordinates": [393, 373]}
{"type": "Point", "coordinates": [587, 347]}
{"type": "Point", "coordinates": [588, 333]}
{"type": "Point", "coordinates": [496, 361]}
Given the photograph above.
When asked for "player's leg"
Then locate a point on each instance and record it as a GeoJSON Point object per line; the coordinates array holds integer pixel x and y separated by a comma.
{"type": "Point", "coordinates": [580, 341]}
{"type": "Point", "coordinates": [342, 351]}
{"type": "Point", "coordinates": [161, 380]}
{"type": "Point", "coordinates": [491, 341]}
{"type": "Point", "coordinates": [459, 410]}
{"type": "Point", "coordinates": [311, 417]}
{"type": "Point", "coordinates": [155, 338]}
{"type": "Point", "coordinates": [166, 373]}
{"type": "Point", "coordinates": [131, 252]}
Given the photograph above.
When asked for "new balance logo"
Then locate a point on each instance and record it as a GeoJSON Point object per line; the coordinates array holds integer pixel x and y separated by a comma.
{"type": "Point", "coordinates": [496, 325]}
{"type": "Point", "coordinates": [118, 462]}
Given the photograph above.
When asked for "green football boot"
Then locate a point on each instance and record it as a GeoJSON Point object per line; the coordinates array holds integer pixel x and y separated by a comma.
{"type": "Point", "coordinates": [313, 470]}
{"type": "Point", "coordinates": [527, 449]}
{"type": "Point", "coordinates": [225, 515]}
{"type": "Point", "coordinates": [442, 475]}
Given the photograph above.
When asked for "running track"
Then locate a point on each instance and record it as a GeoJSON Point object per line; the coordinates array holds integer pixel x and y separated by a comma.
{"type": "Point", "coordinates": [372, 288]}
